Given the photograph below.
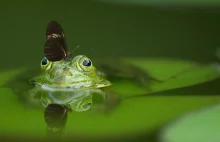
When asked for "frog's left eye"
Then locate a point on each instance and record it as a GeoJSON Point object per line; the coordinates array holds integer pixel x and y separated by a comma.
{"type": "Point", "coordinates": [87, 63]}
{"type": "Point", "coordinates": [45, 64]}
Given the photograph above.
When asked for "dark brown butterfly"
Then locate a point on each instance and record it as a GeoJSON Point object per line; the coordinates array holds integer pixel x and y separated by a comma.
{"type": "Point", "coordinates": [55, 48]}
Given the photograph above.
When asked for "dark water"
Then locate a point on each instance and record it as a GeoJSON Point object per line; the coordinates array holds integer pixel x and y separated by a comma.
{"type": "Point", "coordinates": [108, 30]}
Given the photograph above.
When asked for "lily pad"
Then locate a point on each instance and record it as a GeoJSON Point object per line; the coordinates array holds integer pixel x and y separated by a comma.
{"type": "Point", "coordinates": [186, 73]}
{"type": "Point", "coordinates": [197, 126]}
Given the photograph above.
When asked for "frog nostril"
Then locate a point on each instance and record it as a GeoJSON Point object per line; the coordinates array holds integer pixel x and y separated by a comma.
{"type": "Point", "coordinates": [69, 73]}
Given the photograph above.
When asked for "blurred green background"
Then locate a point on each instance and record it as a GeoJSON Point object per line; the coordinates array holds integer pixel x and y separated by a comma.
{"type": "Point", "coordinates": [169, 3]}
{"type": "Point", "coordinates": [107, 29]}
{"type": "Point", "coordinates": [186, 30]}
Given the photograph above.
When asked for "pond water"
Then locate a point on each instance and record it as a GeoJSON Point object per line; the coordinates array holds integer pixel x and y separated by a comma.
{"type": "Point", "coordinates": [161, 41]}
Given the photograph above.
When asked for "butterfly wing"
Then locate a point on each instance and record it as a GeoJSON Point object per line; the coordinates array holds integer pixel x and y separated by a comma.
{"type": "Point", "coordinates": [55, 48]}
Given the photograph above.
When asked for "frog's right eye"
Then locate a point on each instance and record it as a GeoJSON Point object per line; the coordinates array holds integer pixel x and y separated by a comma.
{"type": "Point", "coordinates": [45, 64]}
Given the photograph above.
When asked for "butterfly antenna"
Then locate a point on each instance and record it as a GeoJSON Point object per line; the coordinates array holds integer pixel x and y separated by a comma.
{"type": "Point", "coordinates": [74, 49]}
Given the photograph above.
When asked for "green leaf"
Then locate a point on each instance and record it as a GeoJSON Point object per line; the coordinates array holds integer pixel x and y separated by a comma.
{"type": "Point", "coordinates": [186, 74]}
{"type": "Point", "coordinates": [196, 126]}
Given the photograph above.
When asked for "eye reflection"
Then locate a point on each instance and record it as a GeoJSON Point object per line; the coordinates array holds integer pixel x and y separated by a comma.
{"type": "Point", "coordinates": [87, 106]}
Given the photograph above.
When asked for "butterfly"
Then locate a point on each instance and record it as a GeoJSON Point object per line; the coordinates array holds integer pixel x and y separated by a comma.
{"type": "Point", "coordinates": [55, 48]}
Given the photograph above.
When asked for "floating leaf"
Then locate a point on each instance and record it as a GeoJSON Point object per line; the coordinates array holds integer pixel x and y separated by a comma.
{"type": "Point", "coordinates": [186, 73]}
{"type": "Point", "coordinates": [196, 126]}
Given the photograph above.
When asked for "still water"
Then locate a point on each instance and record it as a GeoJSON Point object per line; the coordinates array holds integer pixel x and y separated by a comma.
{"type": "Point", "coordinates": [161, 42]}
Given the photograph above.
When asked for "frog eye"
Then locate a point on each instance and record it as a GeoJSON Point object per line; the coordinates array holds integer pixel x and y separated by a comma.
{"type": "Point", "coordinates": [87, 63]}
{"type": "Point", "coordinates": [45, 64]}
{"type": "Point", "coordinates": [44, 61]}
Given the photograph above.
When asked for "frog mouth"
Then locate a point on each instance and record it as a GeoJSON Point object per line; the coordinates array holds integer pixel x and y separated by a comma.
{"type": "Point", "coordinates": [74, 87]}
{"type": "Point", "coordinates": [70, 87]}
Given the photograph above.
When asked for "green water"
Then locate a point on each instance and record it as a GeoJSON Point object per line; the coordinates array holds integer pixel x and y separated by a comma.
{"type": "Point", "coordinates": [160, 40]}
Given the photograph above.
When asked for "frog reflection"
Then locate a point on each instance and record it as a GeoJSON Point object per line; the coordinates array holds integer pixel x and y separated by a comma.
{"type": "Point", "coordinates": [78, 100]}
{"type": "Point", "coordinates": [58, 104]}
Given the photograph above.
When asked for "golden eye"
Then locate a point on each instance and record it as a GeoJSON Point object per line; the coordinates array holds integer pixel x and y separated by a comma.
{"type": "Point", "coordinates": [45, 64]}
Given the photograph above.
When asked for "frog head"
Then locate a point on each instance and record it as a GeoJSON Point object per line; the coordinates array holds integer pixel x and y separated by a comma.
{"type": "Point", "coordinates": [72, 73]}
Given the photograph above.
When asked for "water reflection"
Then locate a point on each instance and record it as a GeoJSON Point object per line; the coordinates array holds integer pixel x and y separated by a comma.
{"type": "Point", "coordinates": [55, 117]}
{"type": "Point", "coordinates": [76, 100]}
{"type": "Point", "coordinates": [59, 103]}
